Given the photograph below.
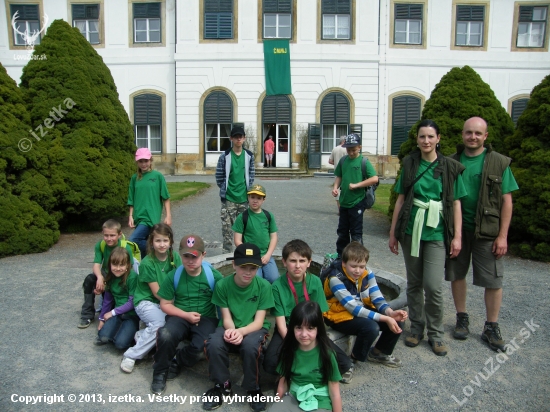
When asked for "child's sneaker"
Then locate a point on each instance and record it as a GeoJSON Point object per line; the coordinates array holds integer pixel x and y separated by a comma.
{"type": "Point", "coordinates": [214, 396]}
{"type": "Point", "coordinates": [257, 404]}
{"type": "Point", "coordinates": [84, 323]}
{"type": "Point", "coordinates": [173, 370]}
{"type": "Point", "coordinates": [491, 335]}
{"type": "Point", "coordinates": [127, 365]}
{"type": "Point", "coordinates": [348, 376]}
{"type": "Point", "coordinates": [98, 341]}
{"type": "Point", "coordinates": [388, 360]}
{"type": "Point", "coordinates": [159, 383]}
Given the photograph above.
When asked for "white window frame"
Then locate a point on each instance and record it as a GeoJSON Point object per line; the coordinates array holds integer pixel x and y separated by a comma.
{"type": "Point", "coordinates": [529, 25]}
{"type": "Point", "coordinates": [87, 30]}
{"type": "Point", "coordinates": [336, 27]}
{"type": "Point", "coordinates": [218, 137]}
{"type": "Point", "coordinates": [147, 30]}
{"type": "Point", "coordinates": [335, 135]}
{"type": "Point", "coordinates": [27, 23]}
{"type": "Point", "coordinates": [408, 31]}
{"type": "Point", "coordinates": [149, 137]}
{"type": "Point", "coordinates": [278, 26]}
{"type": "Point", "coordinates": [468, 33]}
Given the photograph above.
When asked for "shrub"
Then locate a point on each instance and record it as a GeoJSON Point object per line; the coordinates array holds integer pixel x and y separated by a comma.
{"type": "Point", "coordinates": [83, 129]}
{"type": "Point", "coordinates": [529, 148]}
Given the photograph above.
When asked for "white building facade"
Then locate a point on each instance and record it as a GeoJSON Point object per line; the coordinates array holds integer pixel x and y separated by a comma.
{"type": "Point", "coordinates": [187, 71]}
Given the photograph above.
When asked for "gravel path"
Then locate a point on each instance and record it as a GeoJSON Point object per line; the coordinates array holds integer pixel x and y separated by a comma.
{"type": "Point", "coordinates": [43, 352]}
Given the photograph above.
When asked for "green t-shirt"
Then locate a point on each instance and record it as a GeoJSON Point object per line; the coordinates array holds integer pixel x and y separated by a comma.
{"type": "Point", "coordinates": [306, 369]}
{"type": "Point", "coordinates": [283, 298]}
{"type": "Point", "coordinates": [153, 270]}
{"type": "Point", "coordinates": [122, 293]}
{"type": "Point", "coordinates": [472, 182]}
{"type": "Point", "coordinates": [103, 257]}
{"type": "Point", "coordinates": [193, 293]}
{"type": "Point", "coordinates": [147, 196]}
{"type": "Point", "coordinates": [350, 172]}
{"type": "Point", "coordinates": [243, 302]}
{"type": "Point", "coordinates": [236, 185]}
{"type": "Point", "coordinates": [258, 229]}
{"type": "Point", "coordinates": [429, 188]}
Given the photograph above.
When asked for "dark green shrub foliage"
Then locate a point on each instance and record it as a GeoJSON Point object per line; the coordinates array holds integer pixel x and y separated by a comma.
{"type": "Point", "coordinates": [529, 148]}
{"type": "Point", "coordinates": [459, 95]}
{"type": "Point", "coordinates": [84, 131]}
{"type": "Point", "coordinates": [24, 193]}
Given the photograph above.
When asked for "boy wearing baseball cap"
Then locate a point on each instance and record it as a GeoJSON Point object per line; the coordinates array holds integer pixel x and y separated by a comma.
{"type": "Point", "coordinates": [349, 178]}
{"type": "Point", "coordinates": [257, 226]}
{"type": "Point", "coordinates": [186, 298]}
{"type": "Point", "coordinates": [244, 299]}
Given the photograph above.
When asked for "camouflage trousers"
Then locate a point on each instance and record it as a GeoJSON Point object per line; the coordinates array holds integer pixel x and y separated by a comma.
{"type": "Point", "coordinates": [229, 213]}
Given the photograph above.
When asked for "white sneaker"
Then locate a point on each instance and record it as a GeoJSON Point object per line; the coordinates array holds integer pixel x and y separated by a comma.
{"type": "Point", "coordinates": [127, 365]}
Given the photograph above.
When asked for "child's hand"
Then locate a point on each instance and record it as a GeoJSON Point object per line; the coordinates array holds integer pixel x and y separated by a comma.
{"type": "Point", "coordinates": [233, 336]}
{"type": "Point", "coordinates": [101, 323]}
{"type": "Point", "coordinates": [334, 192]}
{"type": "Point", "coordinates": [392, 324]}
{"type": "Point", "coordinates": [131, 221]}
{"type": "Point", "coordinates": [107, 316]}
{"type": "Point", "coordinates": [265, 259]}
{"type": "Point", "coordinates": [193, 317]}
{"type": "Point", "coordinates": [352, 186]}
{"type": "Point", "coordinates": [99, 285]}
{"type": "Point", "coordinates": [399, 315]}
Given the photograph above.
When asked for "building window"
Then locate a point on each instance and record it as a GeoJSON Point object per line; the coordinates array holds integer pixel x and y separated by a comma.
{"type": "Point", "coordinates": [518, 106]}
{"type": "Point", "coordinates": [532, 26]}
{"type": "Point", "coordinates": [86, 19]}
{"type": "Point", "coordinates": [335, 116]}
{"type": "Point", "coordinates": [469, 25]}
{"type": "Point", "coordinates": [148, 121]}
{"type": "Point", "coordinates": [408, 24]}
{"type": "Point", "coordinates": [336, 19]}
{"type": "Point", "coordinates": [405, 113]}
{"type": "Point", "coordinates": [218, 120]}
{"type": "Point", "coordinates": [277, 16]}
{"type": "Point", "coordinates": [27, 22]}
{"type": "Point", "coordinates": [147, 22]}
{"type": "Point", "coordinates": [218, 19]}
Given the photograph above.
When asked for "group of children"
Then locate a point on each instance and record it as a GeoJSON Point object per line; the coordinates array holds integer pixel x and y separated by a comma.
{"type": "Point", "coordinates": [180, 296]}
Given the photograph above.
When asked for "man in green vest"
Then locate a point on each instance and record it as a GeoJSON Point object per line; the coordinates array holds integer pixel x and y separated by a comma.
{"type": "Point", "coordinates": [486, 216]}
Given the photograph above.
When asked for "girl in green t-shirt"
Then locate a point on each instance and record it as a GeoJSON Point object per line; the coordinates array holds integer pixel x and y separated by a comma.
{"type": "Point", "coordinates": [307, 364]}
{"type": "Point", "coordinates": [118, 321]}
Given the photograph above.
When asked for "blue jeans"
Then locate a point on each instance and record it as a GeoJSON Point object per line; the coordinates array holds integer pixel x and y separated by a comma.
{"type": "Point", "coordinates": [350, 225]}
{"type": "Point", "coordinates": [120, 330]}
{"type": "Point", "coordinates": [269, 272]}
{"type": "Point", "coordinates": [139, 236]}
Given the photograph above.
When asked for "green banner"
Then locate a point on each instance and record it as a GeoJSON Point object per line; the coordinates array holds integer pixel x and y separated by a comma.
{"type": "Point", "coordinates": [277, 67]}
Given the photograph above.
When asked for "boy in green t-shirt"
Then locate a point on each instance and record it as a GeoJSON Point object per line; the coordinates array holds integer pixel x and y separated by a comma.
{"type": "Point", "coordinates": [297, 286]}
{"type": "Point", "coordinates": [186, 300]}
{"type": "Point", "coordinates": [349, 178]}
{"type": "Point", "coordinates": [94, 283]}
{"type": "Point", "coordinates": [244, 299]}
{"type": "Point", "coordinates": [260, 230]}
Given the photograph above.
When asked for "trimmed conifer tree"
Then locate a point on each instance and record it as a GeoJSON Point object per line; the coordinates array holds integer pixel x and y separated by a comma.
{"type": "Point", "coordinates": [529, 148]}
{"type": "Point", "coordinates": [24, 193]}
{"type": "Point", "coordinates": [459, 95]}
{"type": "Point", "coordinates": [80, 124]}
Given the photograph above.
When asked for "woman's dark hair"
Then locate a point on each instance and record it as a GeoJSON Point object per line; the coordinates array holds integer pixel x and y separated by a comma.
{"type": "Point", "coordinates": [161, 229]}
{"type": "Point", "coordinates": [308, 314]}
{"type": "Point", "coordinates": [428, 123]}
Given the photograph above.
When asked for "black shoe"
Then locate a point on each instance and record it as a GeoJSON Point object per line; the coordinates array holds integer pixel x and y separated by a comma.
{"type": "Point", "coordinates": [98, 341]}
{"type": "Point", "coordinates": [461, 329]}
{"type": "Point", "coordinates": [214, 396]}
{"type": "Point", "coordinates": [491, 335]}
{"type": "Point", "coordinates": [173, 371]}
{"type": "Point", "coordinates": [257, 403]}
{"type": "Point", "coordinates": [159, 383]}
{"type": "Point", "coordinates": [84, 323]}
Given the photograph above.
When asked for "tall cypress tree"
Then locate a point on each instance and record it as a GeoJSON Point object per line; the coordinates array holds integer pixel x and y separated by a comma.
{"type": "Point", "coordinates": [25, 195]}
{"type": "Point", "coordinates": [529, 148]}
{"type": "Point", "coordinates": [459, 95]}
{"type": "Point", "coordinates": [80, 124]}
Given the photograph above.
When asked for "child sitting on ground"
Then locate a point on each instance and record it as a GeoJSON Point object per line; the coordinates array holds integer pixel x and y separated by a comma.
{"type": "Point", "coordinates": [185, 297]}
{"type": "Point", "coordinates": [94, 284]}
{"type": "Point", "coordinates": [258, 226]}
{"type": "Point", "coordinates": [308, 369]}
{"type": "Point", "coordinates": [244, 299]}
{"type": "Point", "coordinates": [118, 325]}
{"type": "Point", "coordinates": [294, 287]}
{"type": "Point", "coordinates": [357, 307]}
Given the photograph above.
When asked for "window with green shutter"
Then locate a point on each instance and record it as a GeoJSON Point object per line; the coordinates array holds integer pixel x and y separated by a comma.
{"type": "Point", "coordinates": [218, 120]}
{"type": "Point", "coordinates": [148, 121]}
{"type": "Point", "coordinates": [408, 23]}
{"type": "Point", "coordinates": [532, 26]}
{"type": "Point", "coordinates": [518, 106]}
{"type": "Point", "coordinates": [147, 24]}
{"type": "Point", "coordinates": [469, 25]}
{"type": "Point", "coordinates": [27, 22]}
{"type": "Point", "coordinates": [335, 118]}
{"type": "Point", "coordinates": [86, 19]}
{"type": "Point", "coordinates": [218, 19]}
{"type": "Point", "coordinates": [277, 16]}
{"type": "Point", "coordinates": [405, 113]}
{"type": "Point", "coordinates": [336, 19]}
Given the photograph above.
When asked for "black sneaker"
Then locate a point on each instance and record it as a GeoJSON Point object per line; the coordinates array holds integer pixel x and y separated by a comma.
{"type": "Point", "coordinates": [461, 329]}
{"type": "Point", "coordinates": [159, 383]}
{"type": "Point", "coordinates": [84, 323]}
{"type": "Point", "coordinates": [257, 403]}
{"type": "Point", "coordinates": [173, 371]}
{"type": "Point", "coordinates": [491, 335]}
{"type": "Point", "coordinates": [98, 341]}
{"type": "Point", "coordinates": [214, 396]}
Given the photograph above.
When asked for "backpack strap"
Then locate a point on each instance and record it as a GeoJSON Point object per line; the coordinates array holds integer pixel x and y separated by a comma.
{"type": "Point", "coordinates": [177, 277]}
{"type": "Point", "coordinates": [245, 219]}
{"type": "Point", "coordinates": [207, 270]}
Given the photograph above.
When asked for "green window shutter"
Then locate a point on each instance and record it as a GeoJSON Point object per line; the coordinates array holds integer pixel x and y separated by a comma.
{"type": "Point", "coordinates": [218, 108]}
{"type": "Point", "coordinates": [218, 25]}
{"type": "Point", "coordinates": [518, 106]}
{"type": "Point", "coordinates": [314, 145]}
{"type": "Point", "coordinates": [335, 109]}
{"type": "Point", "coordinates": [147, 109]}
{"type": "Point", "coordinates": [147, 10]}
{"type": "Point", "coordinates": [336, 7]}
{"type": "Point", "coordinates": [26, 12]}
{"type": "Point", "coordinates": [218, 6]}
{"type": "Point", "coordinates": [277, 6]}
{"type": "Point", "coordinates": [85, 11]}
{"type": "Point", "coordinates": [526, 13]}
{"type": "Point", "coordinates": [276, 109]}
{"type": "Point", "coordinates": [405, 113]}
{"type": "Point", "coordinates": [470, 13]}
{"type": "Point", "coordinates": [408, 11]}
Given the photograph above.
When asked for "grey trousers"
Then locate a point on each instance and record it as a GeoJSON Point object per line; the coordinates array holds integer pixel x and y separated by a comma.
{"type": "Point", "coordinates": [425, 287]}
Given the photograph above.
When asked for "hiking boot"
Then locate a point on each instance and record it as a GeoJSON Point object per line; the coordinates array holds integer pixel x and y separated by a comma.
{"type": "Point", "coordinates": [388, 360]}
{"type": "Point", "coordinates": [257, 403]}
{"type": "Point", "coordinates": [438, 347]}
{"type": "Point", "coordinates": [127, 365]}
{"type": "Point", "coordinates": [84, 323]}
{"type": "Point", "coordinates": [214, 396]}
{"type": "Point", "coordinates": [173, 371]}
{"type": "Point", "coordinates": [491, 335]}
{"type": "Point", "coordinates": [347, 376]}
{"type": "Point", "coordinates": [461, 329]}
{"type": "Point", "coordinates": [159, 383]}
{"type": "Point", "coordinates": [413, 340]}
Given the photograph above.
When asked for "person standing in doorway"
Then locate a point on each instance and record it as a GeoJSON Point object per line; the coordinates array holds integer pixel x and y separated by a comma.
{"type": "Point", "coordinates": [269, 149]}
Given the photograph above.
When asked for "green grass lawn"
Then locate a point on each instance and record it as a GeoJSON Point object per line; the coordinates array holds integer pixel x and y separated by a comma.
{"type": "Point", "coordinates": [382, 198]}
{"type": "Point", "coordinates": [180, 190]}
